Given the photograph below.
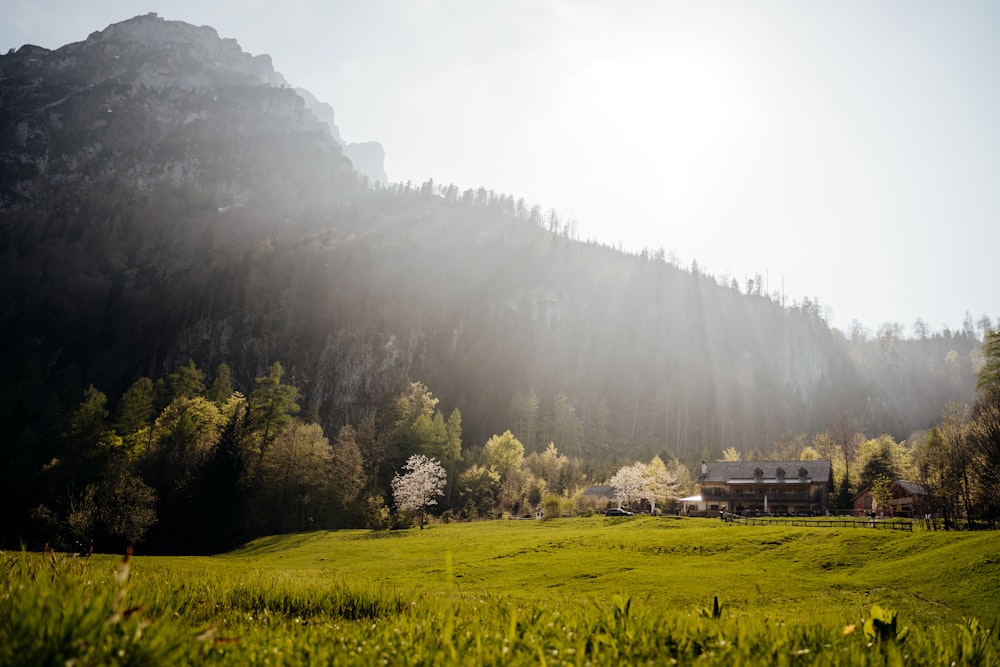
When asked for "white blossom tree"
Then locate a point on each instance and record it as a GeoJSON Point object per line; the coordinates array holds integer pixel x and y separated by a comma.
{"type": "Point", "coordinates": [660, 483]}
{"type": "Point", "coordinates": [419, 487]}
{"type": "Point", "coordinates": [629, 484]}
{"type": "Point", "coordinates": [651, 482]}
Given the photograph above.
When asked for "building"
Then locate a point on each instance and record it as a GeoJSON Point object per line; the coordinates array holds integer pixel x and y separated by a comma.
{"type": "Point", "coordinates": [763, 487]}
{"type": "Point", "coordinates": [906, 499]}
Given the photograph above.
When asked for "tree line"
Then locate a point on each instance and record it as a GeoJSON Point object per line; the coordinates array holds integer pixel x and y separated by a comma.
{"type": "Point", "coordinates": [186, 464]}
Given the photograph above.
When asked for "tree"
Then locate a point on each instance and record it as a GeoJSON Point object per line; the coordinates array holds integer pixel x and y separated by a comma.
{"type": "Point", "coordinates": [955, 458]}
{"type": "Point", "coordinates": [479, 489]}
{"type": "Point", "coordinates": [89, 440]}
{"type": "Point", "coordinates": [184, 440]}
{"type": "Point", "coordinates": [810, 454]}
{"type": "Point", "coordinates": [294, 480]}
{"type": "Point", "coordinates": [126, 505]}
{"type": "Point", "coordinates": [984, 437]}
{"type": "Point", "coordinates": [505, 454]}
{"type": "Point", "coordinates": [419, 487]}
{"type": "Point", "coordinates": [453, 446]}
{"type": "Point", "coordinates": [225, 480]}
{"type": "Point", "coordinates": [374, 438]}
{"type": "Point", "coordinates": [883, 456]}
{"type": "Point", "coordinates": [989, 373]}
{"type": "Point", "coordinates": [880, 492]}
{"type": "Point", "coordinates": [90, 418]}
{"type": "Point", "coordinates": [844, 434]}
{"type": "Point", "coordinates": [550, 466]}
{"type": "Point", "coordinates": [731, 454]}
{"type": "Point", "coordinates": [660, 483]}
{"type": "Point", "coordinates": [188, 381]}
{"type": "Point", "coordinates": [566, 427]}
{"type": "Point", "coordinates": [629, 484]}
{"type": "Point", "coordinates": [414, 401]}
{"type": "Point", "coordinates": [272, 405]}
{"type": "Point", "coordinates": [348, 474]}
{"type": "Point", "coordinates": [524, 416]}
{"type": "Point", "coordinates": [136, 408]}
{"type": "Point", "coordinates": [222, 385]}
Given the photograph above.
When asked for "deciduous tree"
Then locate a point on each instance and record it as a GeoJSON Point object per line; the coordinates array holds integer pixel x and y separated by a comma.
{"type": "Point", "coordinates": [629, 484]}
{"type": "Point", "coordinates": [420, 486]}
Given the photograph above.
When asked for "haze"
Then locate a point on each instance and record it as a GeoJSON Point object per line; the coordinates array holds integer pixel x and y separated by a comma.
{"type": "Point", "coordinates": [845, 151]}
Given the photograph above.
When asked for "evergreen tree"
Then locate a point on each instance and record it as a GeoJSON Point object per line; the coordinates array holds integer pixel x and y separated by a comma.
{"type": "Point", "coordinates": [272, 405]}
{"type": "Point", "coordinates": [225, 482]}
{"type": "Point", "coordinates": [989, 373]}
{"type": "Point", "coordinates": [188, 381]}
{"type": "Point", "coordinates": [137, 407]}
{"type": "Point", "coordinates": [222, 384]}
{"type": "Point", "coordinates": [347, 473]}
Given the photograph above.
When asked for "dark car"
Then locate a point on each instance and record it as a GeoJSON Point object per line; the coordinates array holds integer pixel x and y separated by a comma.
{"type": "Point", "coordinates": [617, 511]}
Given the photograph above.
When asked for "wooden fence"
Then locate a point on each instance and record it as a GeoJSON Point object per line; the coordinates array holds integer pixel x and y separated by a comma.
{"type": "Point", "coordinates": [819, 523]}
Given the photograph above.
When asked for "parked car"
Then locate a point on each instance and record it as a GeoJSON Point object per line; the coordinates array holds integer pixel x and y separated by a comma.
{"type": "Point", "coordinates": [617, 511]}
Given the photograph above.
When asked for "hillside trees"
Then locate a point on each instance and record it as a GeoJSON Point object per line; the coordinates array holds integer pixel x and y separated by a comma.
{"type": "Point", "coordinates": [988, 380]}
{"type": "Point", "coordinates": [200, 473]}
{"type": "Point", "coordinates": [984, 427]}
{"type": "Point", "coordinates": [960, 456]}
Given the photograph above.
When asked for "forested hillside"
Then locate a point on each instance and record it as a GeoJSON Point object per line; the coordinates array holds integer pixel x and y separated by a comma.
{"type": "Point", "coordinates": [165, 197]}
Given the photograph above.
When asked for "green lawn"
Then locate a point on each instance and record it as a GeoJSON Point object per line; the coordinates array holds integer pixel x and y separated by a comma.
{"type": "Point", "coordinates": [596, 589]}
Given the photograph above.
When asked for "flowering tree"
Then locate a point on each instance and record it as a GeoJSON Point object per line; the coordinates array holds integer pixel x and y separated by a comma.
{"type": "Point", "coordinates": [645, 481]}
{"type": "Point", "coordinates": [629, 484]}
{"type": "Point", "coordinates": [661, 483]}
{"type": "Point", "coordinates": [419, 487]}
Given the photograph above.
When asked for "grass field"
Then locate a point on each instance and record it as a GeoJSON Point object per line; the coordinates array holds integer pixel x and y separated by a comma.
{"type": "Point", "coordinates": [570, 591]}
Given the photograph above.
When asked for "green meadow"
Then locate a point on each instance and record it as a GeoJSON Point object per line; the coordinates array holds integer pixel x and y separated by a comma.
{"type": "Point", "coordinates": [587, 590]}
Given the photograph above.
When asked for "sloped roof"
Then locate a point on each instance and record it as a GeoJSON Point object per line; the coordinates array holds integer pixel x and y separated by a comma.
{"type": "Point", "coordinates": [726, 471]}
{"type": "Point", "coordinates": [909, 488]}
{"type": "Point", "coordinates": [912, 488]}
{"type": "Point", "coordinates": [600, 490]}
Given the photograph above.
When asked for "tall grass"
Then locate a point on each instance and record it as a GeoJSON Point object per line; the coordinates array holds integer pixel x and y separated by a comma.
{"type": "Point", "coordinates": [69, 611]}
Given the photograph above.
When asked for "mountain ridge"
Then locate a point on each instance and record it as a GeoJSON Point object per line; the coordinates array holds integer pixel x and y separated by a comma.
{"type": "Point", "coordinates": [184, 202]}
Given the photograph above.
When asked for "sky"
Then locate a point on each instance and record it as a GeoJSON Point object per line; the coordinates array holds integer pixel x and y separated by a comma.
{"type": "Point", "coordinates": [848, 152]}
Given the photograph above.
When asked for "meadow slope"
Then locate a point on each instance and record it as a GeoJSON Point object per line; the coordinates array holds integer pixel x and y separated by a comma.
{"type": "Point", "coordinates": [581, 591]}
{"type": "Point", "coordinates": [783, 573]}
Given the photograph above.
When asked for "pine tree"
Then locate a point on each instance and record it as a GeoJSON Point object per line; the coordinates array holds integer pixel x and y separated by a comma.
{"type": "Point", "coordinates": [222, 385]}
{"type": "Point", "coordinates": [989, 374]}
{"type": "Point", "coordinates": [272, 405]}
{"type": "Point", "coordinates": [188, 381]}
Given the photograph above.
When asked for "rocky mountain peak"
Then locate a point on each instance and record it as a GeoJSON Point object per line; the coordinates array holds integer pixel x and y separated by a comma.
{"type": "Point", "coordinates": [147, 101]}
{"type": "Point", "coordinates": [142, 48]}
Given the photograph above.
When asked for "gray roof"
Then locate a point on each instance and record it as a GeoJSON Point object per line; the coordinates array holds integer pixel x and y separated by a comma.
{"type": "Point", "coordinates": [730, 471]}
{"type": "Point", "coordinates": [913, 488]}
{"type": "Point", "coordinates": [600, 490]}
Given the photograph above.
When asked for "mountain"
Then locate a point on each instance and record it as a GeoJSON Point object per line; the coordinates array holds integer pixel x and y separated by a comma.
{"type": "Point", "coordinates": [165, 196]}
{"type": "Point", "coordinates": [368, 157]}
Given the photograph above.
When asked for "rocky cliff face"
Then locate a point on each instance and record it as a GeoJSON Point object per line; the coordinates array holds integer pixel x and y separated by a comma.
{"type": "Point", "coordinates": [368, 157]}
{"type": "Point", "coordinates": [152, 102]}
